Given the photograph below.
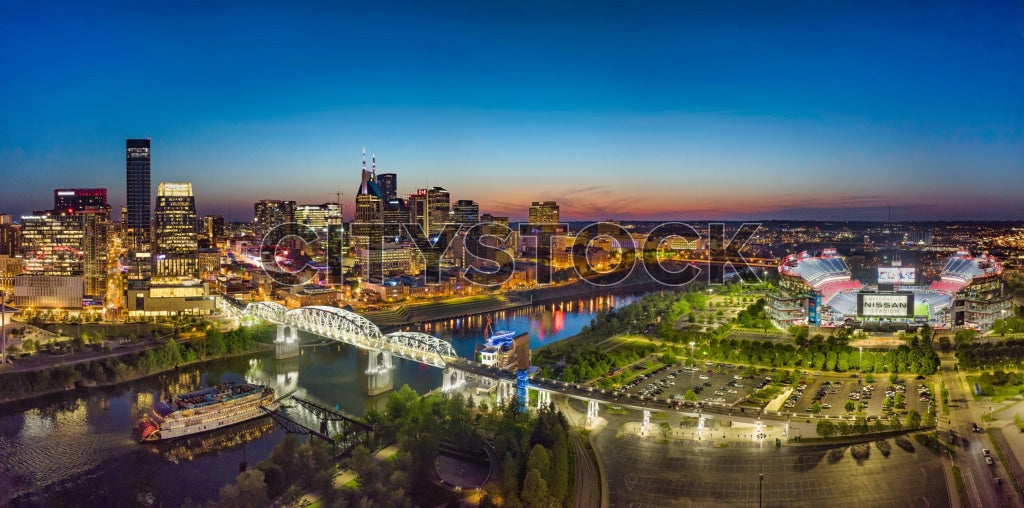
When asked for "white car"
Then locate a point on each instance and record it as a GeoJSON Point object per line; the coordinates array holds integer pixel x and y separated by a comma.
{"type": "Point", "coordinates": [704, 376]}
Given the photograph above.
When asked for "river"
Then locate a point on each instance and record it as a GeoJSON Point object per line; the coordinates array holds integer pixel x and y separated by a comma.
{"type": "Point", "coordinates": [77, 448]}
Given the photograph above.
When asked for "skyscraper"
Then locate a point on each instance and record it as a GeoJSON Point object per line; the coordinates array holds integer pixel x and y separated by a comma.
{"type": "Point", "coordinates": [81, 200]}
{"type": "Point", "coordinates": [544, 212]}
{"type": "Point", "coordinates": [137, 164]}
{"type": "Point", "coordinates": [272, 213]}
{"type": "Point", "coordinates": [466, 212]}
{"type": "Point", "coordinates": [176, 245]}
{"type": "Point", "coordinates": [388, 183]}
{"type": "Point", "coordinates": [213, 226]}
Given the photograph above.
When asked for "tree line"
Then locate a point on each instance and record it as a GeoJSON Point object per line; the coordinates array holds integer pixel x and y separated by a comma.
{"type": "Point", "coordinates": [15, 385]}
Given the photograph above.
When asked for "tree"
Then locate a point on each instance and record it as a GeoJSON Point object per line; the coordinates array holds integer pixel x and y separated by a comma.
{"type": "Point", "coordinates": [249, 491]}
{"type": "Point", "coordinates": [535, 490]}
{"type": "Point", "coordinates": [825, 428]}
{"type": "Point", "coordinates": [666, 429]}
{"type": "Point", "coordinates": [913, 419]}
{"type": "Point", "coordinates": [540, 460]}
{"type": "Point", "coordinates": [887, 403]}
{"type": "Point", "coordinates": [944, 344]}
{"type": "Point", "coordinates": [894, 423]}
{"type": "Point", "coordinates": [799, 333]}
{"type": "Point", "coordinates": [690, 395]}
{"type": "Point", "coordinates": [999, 326]}
{"type": "Point", "coordinates": [927, 334]}
{"type": "Point", "coordinates": [850, 406]}
{"type": "Point", "coordinates": [898, 400]}
{"type": "Point", "coordinates": [816, 408]}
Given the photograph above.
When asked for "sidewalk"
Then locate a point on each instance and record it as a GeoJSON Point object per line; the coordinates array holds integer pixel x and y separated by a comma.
{"type": "Point", "coordinates": [715, 436]}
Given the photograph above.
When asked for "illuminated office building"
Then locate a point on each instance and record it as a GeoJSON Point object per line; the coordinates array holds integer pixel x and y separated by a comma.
{"type": "Point", "coordinates": [544, 212]}
{"type": "Point", "coordinates": [176, 244]}
{"type": "Point", "coordinates": [213, 226]}
{"type": "Point", "coordinates": [273, 215]}
{"type": "Point", "coordinates": [466, 212]}
{"type": "Point", "coordinates": [81, 200]}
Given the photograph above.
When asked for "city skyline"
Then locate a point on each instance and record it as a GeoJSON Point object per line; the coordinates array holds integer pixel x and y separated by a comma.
{"type": "Point", "coordinates": [655, 112]}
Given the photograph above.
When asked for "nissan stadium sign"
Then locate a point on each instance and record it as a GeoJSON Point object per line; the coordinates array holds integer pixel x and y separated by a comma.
{"type": "Point", "coordinates": [885, 305]}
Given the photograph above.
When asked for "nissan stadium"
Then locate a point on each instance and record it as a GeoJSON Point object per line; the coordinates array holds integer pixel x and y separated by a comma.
{"type": "Point", "coordinates": [819, 290]}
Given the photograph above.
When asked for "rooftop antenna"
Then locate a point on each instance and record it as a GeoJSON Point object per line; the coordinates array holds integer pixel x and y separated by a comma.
{"type": "Point", "coordinates": [375, 167]}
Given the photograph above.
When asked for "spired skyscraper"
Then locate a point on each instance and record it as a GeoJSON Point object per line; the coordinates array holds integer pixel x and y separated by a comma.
{"type": "Point", "coordinates": [177, 249]}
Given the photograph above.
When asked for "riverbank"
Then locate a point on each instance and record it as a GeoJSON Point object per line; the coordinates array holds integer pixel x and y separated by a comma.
{"type": "Point", "coordinates": [70, 378]}
{"type": "Point", "coordinates": [471, 305]}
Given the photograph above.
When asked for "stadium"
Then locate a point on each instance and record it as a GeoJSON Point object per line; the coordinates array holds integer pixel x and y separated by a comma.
{"type": "Point", "coordinates": [819, 290]}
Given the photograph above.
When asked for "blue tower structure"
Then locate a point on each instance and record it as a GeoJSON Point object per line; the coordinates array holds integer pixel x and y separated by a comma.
{"type": "Point", "coordinates": [522, 388]}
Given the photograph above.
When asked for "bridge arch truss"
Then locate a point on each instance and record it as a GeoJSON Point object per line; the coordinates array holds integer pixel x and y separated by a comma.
{"type": "Point", "coordinates": [420, 347]}
{"type": "Point", "coordinates": [335, 323]}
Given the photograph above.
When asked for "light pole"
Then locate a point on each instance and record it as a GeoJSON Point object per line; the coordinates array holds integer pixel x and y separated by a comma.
{"type": "Point", "coordinates": [693, 361]}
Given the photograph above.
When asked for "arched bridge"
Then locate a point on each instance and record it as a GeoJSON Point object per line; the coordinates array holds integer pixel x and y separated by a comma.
{"type": "Point", "coordinates": [351, 328]}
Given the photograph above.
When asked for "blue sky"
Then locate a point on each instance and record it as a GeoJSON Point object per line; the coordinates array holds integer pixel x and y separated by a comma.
{"type": "Point", "coordinates": [627, 110]}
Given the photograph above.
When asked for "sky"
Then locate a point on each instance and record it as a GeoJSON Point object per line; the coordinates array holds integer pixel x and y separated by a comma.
{"type": "Point", "coordinates": [616, 110]}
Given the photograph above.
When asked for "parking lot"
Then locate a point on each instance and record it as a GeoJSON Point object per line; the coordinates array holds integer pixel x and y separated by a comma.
{"type": "Point", "coordinates": [832, 392]}
{"type": "Point", "coordinates": [713, 382]}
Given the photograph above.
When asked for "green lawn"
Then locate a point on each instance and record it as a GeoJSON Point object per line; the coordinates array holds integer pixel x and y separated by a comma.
{"type": "Point", "coordinates": [997, 393]}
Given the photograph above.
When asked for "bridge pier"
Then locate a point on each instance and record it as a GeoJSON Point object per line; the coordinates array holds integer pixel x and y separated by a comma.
{"type": "Point", "coordinates": [286, 345]}
{"type": "Point", "coordinates": [506, 391]}
{"type": "Point", "coordinates": [379, 372]}
{"type": "Point", "coordinates": [543, 399]}
{"type": "Point", "coordinates": [592, 407]}
{"type": "Point", "coordinates": [646, 422]}
{"type": "Point", "coordinates": [452, 379]}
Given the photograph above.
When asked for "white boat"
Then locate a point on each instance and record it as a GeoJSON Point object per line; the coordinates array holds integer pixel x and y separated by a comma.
{"type": "Point", "coordinates": [205, 410]}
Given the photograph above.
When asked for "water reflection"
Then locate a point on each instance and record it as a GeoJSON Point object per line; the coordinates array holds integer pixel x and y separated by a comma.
{"type": "Point", "coordinates": [77, 448]}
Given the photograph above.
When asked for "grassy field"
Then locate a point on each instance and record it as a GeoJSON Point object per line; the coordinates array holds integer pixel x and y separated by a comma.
{"type": "Point", "coordinates": [996, 393]}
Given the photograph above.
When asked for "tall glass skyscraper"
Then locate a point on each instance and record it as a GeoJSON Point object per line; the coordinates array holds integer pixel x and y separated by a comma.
{"type": "Point", "coordinates": [177, 250]}
{"type": "Point", "coordinates": [137, 224]}
{"type": "Point", "coordinates": [139, 198]}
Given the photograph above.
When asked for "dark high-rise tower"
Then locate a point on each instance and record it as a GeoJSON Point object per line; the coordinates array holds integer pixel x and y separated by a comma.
{"type": "Point", "coordinates": [388, 183]}
{"type": "Point", "coordinates": [139, 194]}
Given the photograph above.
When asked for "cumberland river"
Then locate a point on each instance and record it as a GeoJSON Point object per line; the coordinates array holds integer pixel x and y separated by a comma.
{"type": "Point", "coordinates": [77, 449]}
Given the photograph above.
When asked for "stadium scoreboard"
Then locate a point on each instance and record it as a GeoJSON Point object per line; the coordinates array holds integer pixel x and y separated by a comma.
{"type": "Point", "coordinates": [885, 304]}
{"type": "Point", "coordinates": [896, 275]}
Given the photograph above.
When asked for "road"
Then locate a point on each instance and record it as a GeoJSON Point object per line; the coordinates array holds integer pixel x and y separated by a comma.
{"type": "Point", "coordinates": [41, 361]}
{"type": "Point", "coordinates": [968, 456]}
